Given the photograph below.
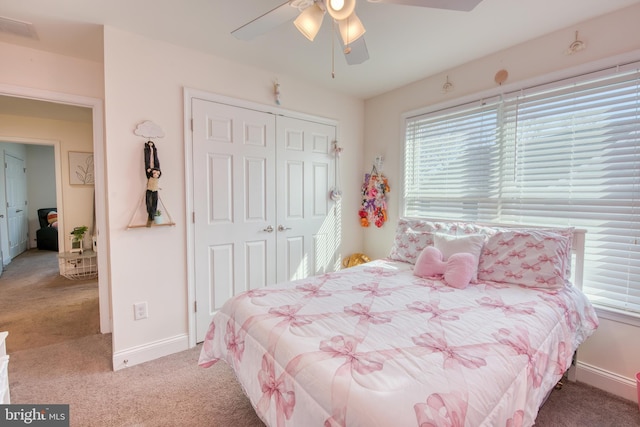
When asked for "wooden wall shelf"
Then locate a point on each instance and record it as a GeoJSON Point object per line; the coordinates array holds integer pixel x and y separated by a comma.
{"type": "Point", "coordinates": [165, 224]}
{"type": "Point", "coordinates": [139, 217]}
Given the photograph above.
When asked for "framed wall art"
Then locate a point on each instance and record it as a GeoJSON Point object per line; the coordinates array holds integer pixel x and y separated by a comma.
{"type": "Point", "coordinates": [81, 168]}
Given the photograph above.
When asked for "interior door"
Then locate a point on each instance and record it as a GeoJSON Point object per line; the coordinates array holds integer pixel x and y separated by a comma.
{"type": "Point", "coordinates": [307, 240]}
{"type": "Point", "coordinates": [16, 194]}
{"type": "Point", "coordinates": [234, 186]}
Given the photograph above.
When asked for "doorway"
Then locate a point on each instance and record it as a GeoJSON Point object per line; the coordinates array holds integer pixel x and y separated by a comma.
{"type": "Point", "coordinates": [95, 107]}
{"type": "Point", "coordinates": [39, 306]}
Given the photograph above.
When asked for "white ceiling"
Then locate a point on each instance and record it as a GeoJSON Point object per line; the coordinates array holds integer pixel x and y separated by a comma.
{"type": "Point", "coordinates": [405, 43]}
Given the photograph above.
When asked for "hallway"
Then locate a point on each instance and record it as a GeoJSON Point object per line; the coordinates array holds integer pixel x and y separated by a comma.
{"type": "Point", "coordinates": [39, 307]}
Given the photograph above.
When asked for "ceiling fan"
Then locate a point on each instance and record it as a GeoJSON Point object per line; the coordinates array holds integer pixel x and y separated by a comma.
{"type": "Point", "coordinates": [308, 16]}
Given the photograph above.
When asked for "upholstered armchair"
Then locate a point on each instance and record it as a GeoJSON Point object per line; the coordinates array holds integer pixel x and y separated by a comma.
{"type": "Point", "coordinates": [47, 235]}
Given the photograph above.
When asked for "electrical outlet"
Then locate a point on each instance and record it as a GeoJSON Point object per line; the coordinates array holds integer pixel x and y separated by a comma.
{"type": "Point", "coordinates": [140, 310]}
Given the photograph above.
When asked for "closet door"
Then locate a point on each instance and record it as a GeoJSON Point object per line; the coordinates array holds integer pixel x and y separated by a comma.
{"type": "Point", "coordinates": [261, 202]}
{"type": "Point", "coordinates": [307, 237]}
{"type": "Point", "coordinates": [234, 204]}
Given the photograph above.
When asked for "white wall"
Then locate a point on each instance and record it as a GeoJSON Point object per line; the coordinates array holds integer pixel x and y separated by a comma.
{"type": "Point", "coordinates": [41, 185]}
{"type": "Point", "coordinates": [150, 264]}
{"type": "Point", "coordinates": [77, 208]}
{"type": "Point", "coordinates": [31, 68]}
{"type": "Point", "coordinates": [615, 347]}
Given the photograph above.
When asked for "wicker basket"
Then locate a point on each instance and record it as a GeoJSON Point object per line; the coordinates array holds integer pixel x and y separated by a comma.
{"type": "Point", "coordinates": [78, 266]}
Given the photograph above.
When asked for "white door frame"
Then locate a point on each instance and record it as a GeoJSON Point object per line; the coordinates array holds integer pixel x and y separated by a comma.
{"type": "Point", "coordinates": [188, 95]}
{"type": "Point", "coordinates": [97, 108]}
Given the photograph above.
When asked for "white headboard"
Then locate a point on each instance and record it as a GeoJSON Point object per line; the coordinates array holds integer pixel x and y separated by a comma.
{"type": "Point", "coordinates": [577, 247]}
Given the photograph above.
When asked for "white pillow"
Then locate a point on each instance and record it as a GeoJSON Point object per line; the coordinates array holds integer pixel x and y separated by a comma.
{"type": "Point", "coordinates": [450, 245]}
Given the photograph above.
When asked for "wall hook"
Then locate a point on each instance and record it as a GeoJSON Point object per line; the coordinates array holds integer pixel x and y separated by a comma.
{"type": "Point", "coordinates": [276, 92]}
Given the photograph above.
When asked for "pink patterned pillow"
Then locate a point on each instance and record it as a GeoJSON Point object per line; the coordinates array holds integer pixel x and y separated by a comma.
{"type": "Point", "coordinates": [407, 245]}
{"type": "Point", "coordinates": [456, 271]}
{"type": "Point", "coordinates": [413, 235]}
{"type": "Point", "coordinates": [531, 258]}
{"type": "Point", "coordinates": [567, 232]}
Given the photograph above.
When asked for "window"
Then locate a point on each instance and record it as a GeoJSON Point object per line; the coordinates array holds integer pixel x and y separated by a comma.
{"type": "Point", "coordinates": [566, 154]}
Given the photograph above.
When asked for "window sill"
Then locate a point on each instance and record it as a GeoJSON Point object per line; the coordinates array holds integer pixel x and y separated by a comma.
{"type": "Point", "coordinates": [617, 315]}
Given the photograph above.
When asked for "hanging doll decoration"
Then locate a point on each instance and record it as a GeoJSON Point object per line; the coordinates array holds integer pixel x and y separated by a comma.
{"type": "Point", "coordinates": [374, 199]}
{"type": "Point", "coordinates": [152, 170]}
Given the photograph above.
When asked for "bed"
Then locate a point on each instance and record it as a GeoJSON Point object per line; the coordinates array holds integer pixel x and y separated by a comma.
{"type": "Point", "coordinates": [393, 343]}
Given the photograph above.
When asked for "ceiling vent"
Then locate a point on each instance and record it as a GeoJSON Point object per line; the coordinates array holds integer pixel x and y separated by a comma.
{"type": "Point", "coordinates": [17, 28]}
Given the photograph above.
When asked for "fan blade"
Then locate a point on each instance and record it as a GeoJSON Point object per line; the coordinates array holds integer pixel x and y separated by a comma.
{"type": "Point", "coordinates": [462, 5]}
{"type": "Point", "coordinates": [266, 22]}
{"type": "Point", "coordinates": [358, 53]}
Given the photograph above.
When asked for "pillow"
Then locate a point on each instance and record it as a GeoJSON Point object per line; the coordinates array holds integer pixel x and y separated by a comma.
{"type": "Point", "coordinates": [533, 258]}
{"type": "Point", "coordinates": [456, 271]}
{"type": "Point", "coordinates": [450, 245]}
{"type": "Point", "coordinates": [567, 232]}
{"type": "Point", "coordinates": [52, 217]}
{"type": "Point", "coordinates": [466, 228]}
{"type": "Point", "coordinates": [407, 246]}
{"type": "Point", "coordinates": [413, 235]}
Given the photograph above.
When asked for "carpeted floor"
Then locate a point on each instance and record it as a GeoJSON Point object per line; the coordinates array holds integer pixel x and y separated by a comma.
{"type": "Point", "coordinates": [58, 356]}
{"type": "Point", "coordinates": [38, 307]}
{"type": "Point", "coordinates": [174, 391]}
{"type": "Point", "coordinates": [171, 391]}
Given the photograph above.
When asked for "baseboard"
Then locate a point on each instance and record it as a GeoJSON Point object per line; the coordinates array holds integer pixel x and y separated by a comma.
{"type": "Point", "coordinates": [607, 381]}
{"type": "Point", "coordinates": [151, 351]}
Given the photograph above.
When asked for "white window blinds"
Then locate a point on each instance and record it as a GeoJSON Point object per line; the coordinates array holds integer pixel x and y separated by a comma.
{"type": "Point", "coordinates": [567, 155]}
{"type": "Point", "coordinates": [451, 163]}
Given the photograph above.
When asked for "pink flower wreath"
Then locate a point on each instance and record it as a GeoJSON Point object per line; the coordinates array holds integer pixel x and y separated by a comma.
{"type": "Point", "coordinates": [374, 200]}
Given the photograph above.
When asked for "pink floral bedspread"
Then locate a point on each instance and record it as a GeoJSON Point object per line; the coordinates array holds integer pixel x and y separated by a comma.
{"type": "Point", "coordinates": [375, 345]}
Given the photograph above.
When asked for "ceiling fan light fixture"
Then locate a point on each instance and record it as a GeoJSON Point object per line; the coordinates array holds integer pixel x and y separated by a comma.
{"type": "Point", "coordinates": [340, 9]}
{"type": "Point", "coordinates": [309, 21]}
{"type": "Point", "coordinates": [351, 29]}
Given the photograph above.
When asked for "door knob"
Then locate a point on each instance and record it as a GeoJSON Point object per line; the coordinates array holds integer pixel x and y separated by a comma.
{"type": "Point", "coordinates": [283, 228]}
{"type": "Point", "coordinates": [269, 229]}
